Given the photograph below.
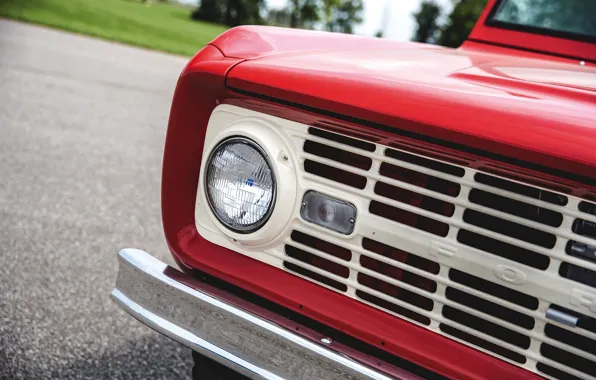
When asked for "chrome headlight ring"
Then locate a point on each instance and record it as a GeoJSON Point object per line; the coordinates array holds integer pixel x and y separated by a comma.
{"type": "Point", "coordinates": [240, 184]}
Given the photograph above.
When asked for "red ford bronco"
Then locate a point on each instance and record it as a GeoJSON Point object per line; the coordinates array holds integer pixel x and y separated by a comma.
{"type": "Point", "coordinates": [343, 207]}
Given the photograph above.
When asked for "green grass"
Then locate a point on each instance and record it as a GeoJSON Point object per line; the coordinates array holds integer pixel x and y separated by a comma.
{"type": "Point", "coordinates": [165, 27]}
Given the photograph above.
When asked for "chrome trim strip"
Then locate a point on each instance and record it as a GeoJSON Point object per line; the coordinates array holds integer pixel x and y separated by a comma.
{"type": "Point", "coordinates": [561, 317]}
{"type": "Point", "coordinates": [158, 296]}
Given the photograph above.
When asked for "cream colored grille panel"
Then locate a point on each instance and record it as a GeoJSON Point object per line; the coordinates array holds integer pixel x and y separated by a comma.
{"type": "Point", "coordinates": [419, 257]}
{"type": "Point", "coordinates": [522, 337]}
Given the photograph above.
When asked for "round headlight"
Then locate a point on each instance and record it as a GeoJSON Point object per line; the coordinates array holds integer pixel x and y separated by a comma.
{"type": "Point", "coordinates": [240, 185]}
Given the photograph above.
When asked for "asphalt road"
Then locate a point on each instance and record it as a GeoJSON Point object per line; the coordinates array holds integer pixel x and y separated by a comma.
{"type": "Point", "coordinates": [82, 126]}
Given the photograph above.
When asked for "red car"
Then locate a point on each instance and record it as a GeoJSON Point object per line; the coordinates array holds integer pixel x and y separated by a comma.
{"type": "Point", "coordinates": [344, 207]}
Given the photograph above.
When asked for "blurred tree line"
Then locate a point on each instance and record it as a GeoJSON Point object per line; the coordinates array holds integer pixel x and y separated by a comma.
{"type": "Point", "coordinates": [433, 25]}
{"type": "Point", "coordinates": [454, 30]}
{"type": "Point", "coordinates": [333, 15]}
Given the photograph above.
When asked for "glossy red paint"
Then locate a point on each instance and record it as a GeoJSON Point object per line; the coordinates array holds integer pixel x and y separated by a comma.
{"type": "Point", "coordinates": [200, 88]}
{"type": "Point", "coordinates": [250, 42]}
{"type": "Point", "coordinates": [529, 41]}
{"type": "Point", "coordinates": [538, 110]}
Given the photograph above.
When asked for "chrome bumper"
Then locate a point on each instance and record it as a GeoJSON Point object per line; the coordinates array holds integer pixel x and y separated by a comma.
{"type": "Point", "coordinates": [238, 334]}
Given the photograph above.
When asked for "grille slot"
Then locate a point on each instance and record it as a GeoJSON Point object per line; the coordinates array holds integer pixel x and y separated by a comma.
{"type": "Point", "coordinates": [315, 276]}
{"type": "Point", "coordinates": [409, 197]}
{"type": "Point", "coordinates": [451, 157]}
{"type": "Point", "coordinates": [486, 327]}
{"type": "Point", "coordinates": [570, 338]}
{"type": "Point", "coordinates": [318, 262]}
{"type": "Point", "coordinates": [555, 373]}
{"type": "Point", "coordinates": [400, 256]}
{"type": "Point", "coordinates": [568, 359]}
{"type": "Point", "coordinates": [398, 274]}
{"type": "Point", "coordinates": [395, 292]}
{"type": "Point", "coordinates": [516, 187]}
{"type": "Point", "coordinates": [344, 139]}
{"type": "Point", "coordinates": [493, 289]}
{"type": "Point", "coordinates": [502, 249]}
{"type": "Point", "coordinates": [586, 207]}
{"type": "Point", "coordinates": [335, 174]}
{"type": "Point", "coordinates": [321, 245]}
{"type": "Point", "coordinates": [581, 250]}
{"type": "Point", "coordinates": [513, 174]}
{"type": "Point", "coordinates": [348, 158]}
{"type": "Point", "coordinates": [490, 308]}
{"type": "Point", "coordinates": [432, 235]}
{"type": "Point", "coordinates": [420, 179]}
{"type": "Point", "coordinates": [511, 229]}
{"type": "Point", "coordinates": [393, 307]}
{"type": "Point", "coordinates": [517, 208]}
{"type": "Point", "coordinates": [578, 274]}
{"type": "Point", "coordinates": [409, 218]}
{"type": "Point", "coordinates": [425, 162]}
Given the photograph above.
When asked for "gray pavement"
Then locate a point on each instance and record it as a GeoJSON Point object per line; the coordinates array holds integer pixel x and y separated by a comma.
{"type": "Point", "coordinates": [82, 126]}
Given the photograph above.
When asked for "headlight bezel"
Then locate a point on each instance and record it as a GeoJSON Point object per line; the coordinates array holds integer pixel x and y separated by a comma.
{"type": "Point", "coordinates": [259, 149]}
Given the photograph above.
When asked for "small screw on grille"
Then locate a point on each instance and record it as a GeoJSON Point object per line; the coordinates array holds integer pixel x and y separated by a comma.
{"type": "Point", "coordinates": [326, 340]}
{"type": "Point", "coordinates": [352, 220]}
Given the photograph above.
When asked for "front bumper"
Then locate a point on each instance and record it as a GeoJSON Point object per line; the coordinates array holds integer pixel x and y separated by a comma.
{"type": "Point", "coordinates": [232, 331]}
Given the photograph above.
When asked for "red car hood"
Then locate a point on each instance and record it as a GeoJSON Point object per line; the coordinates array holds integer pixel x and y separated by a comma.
{"type": "Point", "coordinates": [488, 100]}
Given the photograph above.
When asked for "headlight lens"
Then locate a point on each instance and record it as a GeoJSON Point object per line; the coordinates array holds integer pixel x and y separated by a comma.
{"type": "Point", "coordinates": [240, 185]}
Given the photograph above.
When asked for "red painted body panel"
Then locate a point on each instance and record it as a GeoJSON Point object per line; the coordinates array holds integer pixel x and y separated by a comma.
{"type": "Point", "coordinates": [260, 41]}
{"type": "Point", "coordinates": [534, 42]}
{"type": "Point", "coordinates": [537, 110]}
{"type": "Point", "coordinates": [200, 88]}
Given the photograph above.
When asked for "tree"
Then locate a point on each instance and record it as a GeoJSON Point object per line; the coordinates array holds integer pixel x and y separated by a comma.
{"type": "Point", "coordinates": [280, 17]}
{"type": "Point", "coordinates": [426, 18]}
{"type": "Point", "coordinates": [208, 10]}
{"type": "Point", "coordinates": [335, 15]}
{"type": "Point", "coordinates": [230, 12]}
{"type": "Point", "coordinates": [240, 12]}
{"type": "Point", "coordinates": [461, 21]}
{"type": "Point", "coordinates": [303, 12]}
{"type": "Point", "coordinates": [341, 15]}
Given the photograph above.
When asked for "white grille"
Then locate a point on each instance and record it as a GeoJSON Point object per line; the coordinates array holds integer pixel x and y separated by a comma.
{"type": "Point", "coordinates": [479, 231]}
{"type": "Point", "coordinates": [464, 253]}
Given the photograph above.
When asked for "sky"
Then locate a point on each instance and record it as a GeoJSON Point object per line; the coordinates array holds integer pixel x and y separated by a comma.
{"type": "Point", "coordinates": [400, 24]}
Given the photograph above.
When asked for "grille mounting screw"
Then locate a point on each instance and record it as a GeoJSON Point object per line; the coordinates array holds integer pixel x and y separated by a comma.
{"type": "Point", "coordinates": [352, 220]}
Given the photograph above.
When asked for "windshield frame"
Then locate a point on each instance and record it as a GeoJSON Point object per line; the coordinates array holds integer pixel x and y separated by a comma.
{"type": "Point", "coordinates": [491, 21]}
{"type": "Point", "coordinates": [535, 41]}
